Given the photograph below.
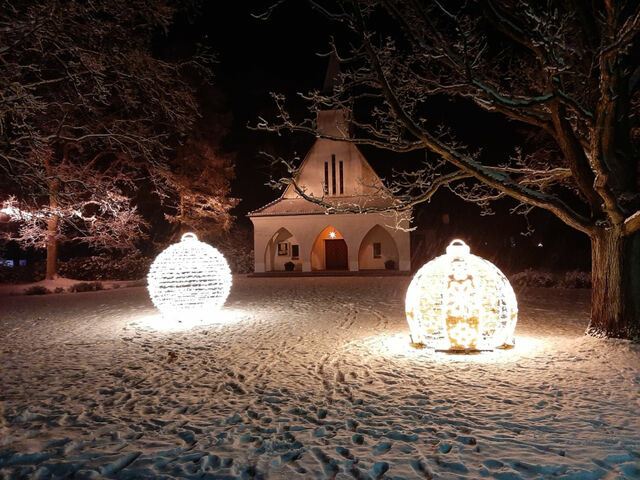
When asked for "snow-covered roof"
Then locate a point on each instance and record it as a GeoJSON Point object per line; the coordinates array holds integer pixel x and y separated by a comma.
{"type": "Point", "coordinates": [300, 206]}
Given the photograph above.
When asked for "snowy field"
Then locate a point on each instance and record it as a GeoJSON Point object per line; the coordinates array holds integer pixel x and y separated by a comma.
{"type": "Point", "coordinates": [308, 378]}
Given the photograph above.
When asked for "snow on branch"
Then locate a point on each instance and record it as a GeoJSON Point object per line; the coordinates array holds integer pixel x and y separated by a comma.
{"type": "Point", "coordinates": [532, 64]}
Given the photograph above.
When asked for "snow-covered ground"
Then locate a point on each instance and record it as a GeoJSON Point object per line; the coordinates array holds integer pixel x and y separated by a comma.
{"type": "Point", "coordinates": [308, 378]}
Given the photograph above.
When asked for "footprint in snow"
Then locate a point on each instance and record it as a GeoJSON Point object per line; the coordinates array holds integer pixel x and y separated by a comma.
{"type": "Point", "coordinates": [382, 447]}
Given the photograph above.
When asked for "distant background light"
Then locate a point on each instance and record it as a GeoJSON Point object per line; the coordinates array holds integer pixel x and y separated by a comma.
{"type": "Point", "coordinates": [189, 278]}
{"type": "Point", "coordinates": [459, 301]}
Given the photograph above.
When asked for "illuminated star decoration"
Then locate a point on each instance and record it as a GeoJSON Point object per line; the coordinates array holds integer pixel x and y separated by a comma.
{"type": "Point", "coordinates": [332, 234]}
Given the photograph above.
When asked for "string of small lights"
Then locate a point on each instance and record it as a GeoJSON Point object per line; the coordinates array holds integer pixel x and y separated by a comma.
{"type": "Point", "coordinates": [461, 302]}
{"type": "Point", "coordinates": [189, 278]}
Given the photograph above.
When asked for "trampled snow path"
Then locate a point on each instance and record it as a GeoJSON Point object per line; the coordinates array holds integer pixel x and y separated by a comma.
{"type": "Point", "coordinates": [308, 378]}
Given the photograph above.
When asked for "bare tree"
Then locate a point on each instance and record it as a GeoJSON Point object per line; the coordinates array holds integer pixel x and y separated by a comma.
{"type": "Point", "coordinates": [87, 115]}
{"type": "Point", "coordinates": [566, 70]}
{"type": "Point", "coordinates": [202, 173]}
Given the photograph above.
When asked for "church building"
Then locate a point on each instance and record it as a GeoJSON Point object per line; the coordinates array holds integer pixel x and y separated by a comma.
{"type": "Point", "coordinates": [292, 233]}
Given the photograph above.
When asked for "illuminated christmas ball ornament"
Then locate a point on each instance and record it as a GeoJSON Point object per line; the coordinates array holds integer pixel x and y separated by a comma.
{"type": "Point", "coordinates": [461, 302]}
{"type": "Point", "coordinates": [189, 278]}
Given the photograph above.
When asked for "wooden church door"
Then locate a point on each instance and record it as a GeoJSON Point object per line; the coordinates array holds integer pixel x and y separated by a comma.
{"type": "Point", "coordinates": [336, 257]}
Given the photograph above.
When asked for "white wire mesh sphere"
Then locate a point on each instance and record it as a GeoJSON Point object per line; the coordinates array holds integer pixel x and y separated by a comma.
{"type": "Point", "coordinates": [189, 277]}
{"type": "Point", "coordinates": [459, 301]}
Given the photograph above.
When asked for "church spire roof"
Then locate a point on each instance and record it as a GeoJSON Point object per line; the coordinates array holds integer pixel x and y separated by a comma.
{"type": "Point", "coordinates": [331, 77]}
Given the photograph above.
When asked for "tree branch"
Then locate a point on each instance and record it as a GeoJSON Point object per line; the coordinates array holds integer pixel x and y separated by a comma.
{"type": "Point", "coordinates": [632, 223]}
{"type": "Point", "coordinates": [462, 161]}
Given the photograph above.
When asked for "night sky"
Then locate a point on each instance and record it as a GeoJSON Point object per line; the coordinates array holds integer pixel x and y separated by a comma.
{"type": "Point", "coordinates": [257, 57]}
{"type": "Point", "coordinates": [280, 54]}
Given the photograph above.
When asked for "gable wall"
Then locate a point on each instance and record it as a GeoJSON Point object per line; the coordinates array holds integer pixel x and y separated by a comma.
{"type": "Point", "coordinates": [357, 174]}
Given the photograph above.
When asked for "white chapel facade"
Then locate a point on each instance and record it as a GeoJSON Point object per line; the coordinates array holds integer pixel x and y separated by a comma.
{"type": "Point", "coordinates": [293, 230]}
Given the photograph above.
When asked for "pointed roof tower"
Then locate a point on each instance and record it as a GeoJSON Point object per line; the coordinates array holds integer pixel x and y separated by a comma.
{"type": "Point", "coordinates": [331, 77]}
{"type": "Point", "coordinates": [335, 122]}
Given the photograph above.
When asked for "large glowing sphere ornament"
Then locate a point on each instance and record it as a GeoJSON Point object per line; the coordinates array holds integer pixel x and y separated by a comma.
{"type": "Point", "coordinates": [189, 278]}
{"type": "Point", "coordinates": [461, 302]}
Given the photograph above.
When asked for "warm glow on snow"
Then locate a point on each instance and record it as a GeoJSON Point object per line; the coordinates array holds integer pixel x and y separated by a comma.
{"type": "Point", "coordinates": [155, 321]}
{"type": "Point", "coordinates": [460, 302]}
{"type": "Point", "coordinates": [394, 346]}
{"type": "Point", "coordinates": [189, 281]}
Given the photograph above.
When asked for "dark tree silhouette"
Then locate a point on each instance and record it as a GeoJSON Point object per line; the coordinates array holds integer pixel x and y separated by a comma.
{"type": "Point", "coordinates": [566, 70]}
{"type": "Point", "coordinates": [87, 115]}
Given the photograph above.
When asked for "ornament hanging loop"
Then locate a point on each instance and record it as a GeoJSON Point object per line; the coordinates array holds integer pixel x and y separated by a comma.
{"type": "Point", "coordinates": [458, 248]}
{"type": "Point", "coordinates": [188, 236]}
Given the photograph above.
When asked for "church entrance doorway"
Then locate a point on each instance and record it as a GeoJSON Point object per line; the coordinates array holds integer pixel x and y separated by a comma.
{"type": "Point", "coordinates": [336, 257]}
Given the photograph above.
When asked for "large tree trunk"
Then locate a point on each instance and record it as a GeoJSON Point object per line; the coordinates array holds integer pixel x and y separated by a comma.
{"type": "Point", "coordinates": [52, 248]}
{"type": "Point", "coordinates": [52, 233]}
{"type": "Point", "coordinates": [615, 291]}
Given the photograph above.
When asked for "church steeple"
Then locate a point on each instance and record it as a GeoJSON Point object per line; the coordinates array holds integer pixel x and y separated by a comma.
{"type": "Point", "coordinates": [334, 122]}
{"type": "Point", "coordinates": [331, 77]}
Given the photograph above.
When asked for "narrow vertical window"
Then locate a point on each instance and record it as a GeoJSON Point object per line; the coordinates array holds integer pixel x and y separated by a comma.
{"type": "Point", "coordinates": [377, 250]}
{"type": "Point", "coordinates": [325, 188]}
{"type": "Point", "coordinates": [333, 174]}
{"type": "Point", "coordinates": [341, 180]}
